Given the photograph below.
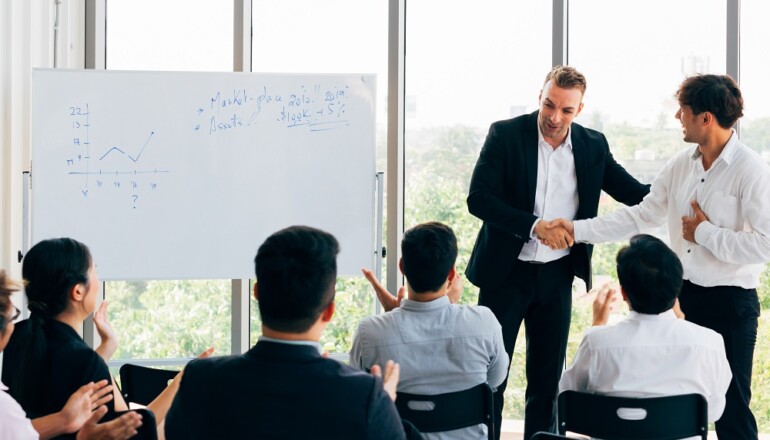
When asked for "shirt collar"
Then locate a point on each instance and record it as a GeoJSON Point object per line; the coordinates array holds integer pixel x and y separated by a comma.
{"type": "Point", "coordinates": [667, 315]}
{"type": "Point", "coordinates": [292, 342]}
{"type": "Point", "coordinates": [728, 152]}
{"type": "Point", "coordinates": [567, 141]}
{"type": "Point", "coordinates": [417, 306]}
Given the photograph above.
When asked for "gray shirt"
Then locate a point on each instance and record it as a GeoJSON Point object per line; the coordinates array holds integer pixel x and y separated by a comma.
{"type": "Point", "coordinates": [441, 348]}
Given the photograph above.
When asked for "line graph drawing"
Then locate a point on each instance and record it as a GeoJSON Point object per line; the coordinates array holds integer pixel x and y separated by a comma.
{"type": "Point", "coordinates": [134, 159]}
{"type": "Point", "coordinates": [130, 181]}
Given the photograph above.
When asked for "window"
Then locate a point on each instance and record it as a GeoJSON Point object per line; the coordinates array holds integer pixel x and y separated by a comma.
{"type": "Point", "coordinates": [169, 319]}
{"type": "Point", "coordinates": [472, 67]}
{"type": "Point", "coordinates": [335, 36]}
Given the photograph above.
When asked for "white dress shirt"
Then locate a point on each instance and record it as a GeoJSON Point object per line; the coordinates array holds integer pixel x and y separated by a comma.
{"type": "Point", "coordinates": [555, 196]}
{"type": "Point", "coordinates": [649, 356]}
{"type": "Point", "coordinates": [734, 193]}
{"type": "Point", "coordinates": [14, 424]}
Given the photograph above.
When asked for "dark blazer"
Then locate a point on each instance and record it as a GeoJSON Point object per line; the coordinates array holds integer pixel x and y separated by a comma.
{"type": "Point", "coordinates": [280, 391]}
{"type": "Point", "coordinates": [502, 194]}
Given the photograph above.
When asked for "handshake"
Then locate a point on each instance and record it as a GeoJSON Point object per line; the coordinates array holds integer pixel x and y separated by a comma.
{"type": "Point", "coordinates": [556, 234]}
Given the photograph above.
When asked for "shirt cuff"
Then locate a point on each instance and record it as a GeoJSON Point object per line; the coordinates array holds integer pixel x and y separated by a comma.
{"type": "Point", "coordinates": [532, 229]}
{"type": "Point", "coordinates": [704, 230]}
{"type": "Point", "coordinates": [578, 228]}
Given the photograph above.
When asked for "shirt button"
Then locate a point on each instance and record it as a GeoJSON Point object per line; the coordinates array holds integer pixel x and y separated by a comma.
{"type": "Point", "coordinates": [702, 180]}
{"type": "Point", "coordinates": [688, 250]}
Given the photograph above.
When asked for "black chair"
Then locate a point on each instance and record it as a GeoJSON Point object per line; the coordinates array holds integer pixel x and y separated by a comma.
{"type": "Point", "coordinates": [627, 418]}
{"type": "Point", "coordinates": [148, 430]}
{"type": "Point", "coordinates": [445, 412]}
{"type": "Point", "coordinates": [143, 384]}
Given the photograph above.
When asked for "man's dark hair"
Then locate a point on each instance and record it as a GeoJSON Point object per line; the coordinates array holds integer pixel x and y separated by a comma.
{"type": "Point", "coordinates": [716, 94]}
{"type": "Point", "coordinates": [428, 252]}
{"type": "Point", "coordinates": [296, 270]}
{"type": "Point", "coordinates": [650, 273]}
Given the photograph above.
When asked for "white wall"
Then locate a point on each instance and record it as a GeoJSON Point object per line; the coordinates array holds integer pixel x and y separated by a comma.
{"type": "Point", "coordinates": [27, 41]}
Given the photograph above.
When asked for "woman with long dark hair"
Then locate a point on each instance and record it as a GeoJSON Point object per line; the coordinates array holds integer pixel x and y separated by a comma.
{"type": "Point", "coordinates": [46, 359]}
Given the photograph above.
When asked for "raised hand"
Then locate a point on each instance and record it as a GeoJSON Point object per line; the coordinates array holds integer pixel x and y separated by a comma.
{"type": "Point", "coordinates": [604, 303]}
{"type": "Point", "coordinates": [106, 333]}
{"type": "Point", "coordinates": [124, 427]}
{"type": "Point", "coordinates": [388, 301]}
{"type": "Point", "coordinates": [77, 411]}
{"type": "Point", "coordinates": [390, 379]}
{"type": "Point", "coordinates": [690, 224]}
{"type": "Point", "coordinates": [556, 234]}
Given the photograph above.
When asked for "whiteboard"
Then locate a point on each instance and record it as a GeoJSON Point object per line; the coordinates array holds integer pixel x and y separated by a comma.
{"type": "Point", "coordinates": [180, 175]}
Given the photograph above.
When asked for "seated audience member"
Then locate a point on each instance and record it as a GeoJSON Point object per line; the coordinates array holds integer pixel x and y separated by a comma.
{"type": "Point", "coordinates": [441, 347]}
{"type": "Point", "coordinates": [284, 388]}
{"type": "Point", "coordinates": [651, 352]}
{"type": "Point", "coordinates": [78, 411]}
{"type": "Point", "coordinates": [46, 360]}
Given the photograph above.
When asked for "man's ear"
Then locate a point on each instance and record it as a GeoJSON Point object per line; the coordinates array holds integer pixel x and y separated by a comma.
{"type": "Point", "coordinates": [452, 274]}
{"type": "Point", "coordinates": [707, 118]}
{"type": "Point", "coordinates": [623, 293]}
{"type": "Point", "coordinates": [401, 265]}
{"type": "Point", "coordinates": [328, 312]}
{"type": "Point", "coordinates": [256, 295]}
{"type": "Point", "coordinates": [579, 109]}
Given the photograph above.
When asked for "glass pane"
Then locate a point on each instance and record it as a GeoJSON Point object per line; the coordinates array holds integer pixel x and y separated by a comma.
{"type": "Point", "coordinates": [333, 36]}
{"type": "Point", "coordinates": [473, 66]}
{"type": "Point", "coordinates": [169, 319]}
{"type": "Point", "coordinates": [157, 319]}
{"type": "Point", "coordinates": [755, 132]}
{"type": "Point", "coordinates": [631, 87]}
{"type": "Point", "coordinates": [632, 80]}
{"type": "Point", "coordinates": [170, 35]}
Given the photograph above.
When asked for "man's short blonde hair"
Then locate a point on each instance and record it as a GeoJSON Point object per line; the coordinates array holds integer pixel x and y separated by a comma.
{"type": "Point", "coordinates": [567, 77]}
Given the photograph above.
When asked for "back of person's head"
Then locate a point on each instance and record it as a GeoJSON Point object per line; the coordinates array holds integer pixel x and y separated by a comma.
{"type": "Point", "coordinates": [716, 94]}
{"type": "Point", "coordinates": [428, 253]}
{"type": "Point", "coordinates": [567, 77]}
{"type": "Point", "coordinates": [650, 273]}
{"type": "Point", "coordinates": [50, 270]}
{"type": "Point", "coordinates": [296, 272]}
{"type": "Point", "coordinates": [7, 287]}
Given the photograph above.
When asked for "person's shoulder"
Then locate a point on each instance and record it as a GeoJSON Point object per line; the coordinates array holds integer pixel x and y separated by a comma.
{"type": "Point", "coordinates": [482, 313]}
{"type": "Point", "coordinates": [587, 135]}
{"type": "Point", "coordinates": [345, 375]}
{"type": "Point", "coordinates": [215, 365]}
{"type": "Point", "coordinates": [750, 161]}
{"type": "Point", "coordinates": [378, 322]}
{"type": "Point", "coordinates": [698, 334]}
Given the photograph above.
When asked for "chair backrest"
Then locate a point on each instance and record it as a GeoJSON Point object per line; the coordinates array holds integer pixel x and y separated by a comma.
{"type": "Point", "coordinates": [445, 412]}
{"type": "Point", "coordinates": [627, 418]}
{"type": "Point", "coordinates": [143, 384]}
{"type": "Point", "coordinates": [542, 435]}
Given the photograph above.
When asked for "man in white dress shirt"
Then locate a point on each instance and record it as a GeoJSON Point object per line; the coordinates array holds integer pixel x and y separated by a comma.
{"type": "Point", "coordinates": [650, 353]}
{"type": "Point", "coordinates": [714, 199]}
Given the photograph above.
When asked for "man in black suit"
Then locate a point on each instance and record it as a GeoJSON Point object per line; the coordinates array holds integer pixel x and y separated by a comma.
{"type": "Point", "coordinates": [531, 169]}
{"type": "Point", "coordinates": [283, 388]}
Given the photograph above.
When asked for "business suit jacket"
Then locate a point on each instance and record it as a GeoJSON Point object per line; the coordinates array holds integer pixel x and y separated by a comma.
{"type": "Point", "coordinates": [280, 391]}
{"type": "Point", "coordinates": [502, 194]}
